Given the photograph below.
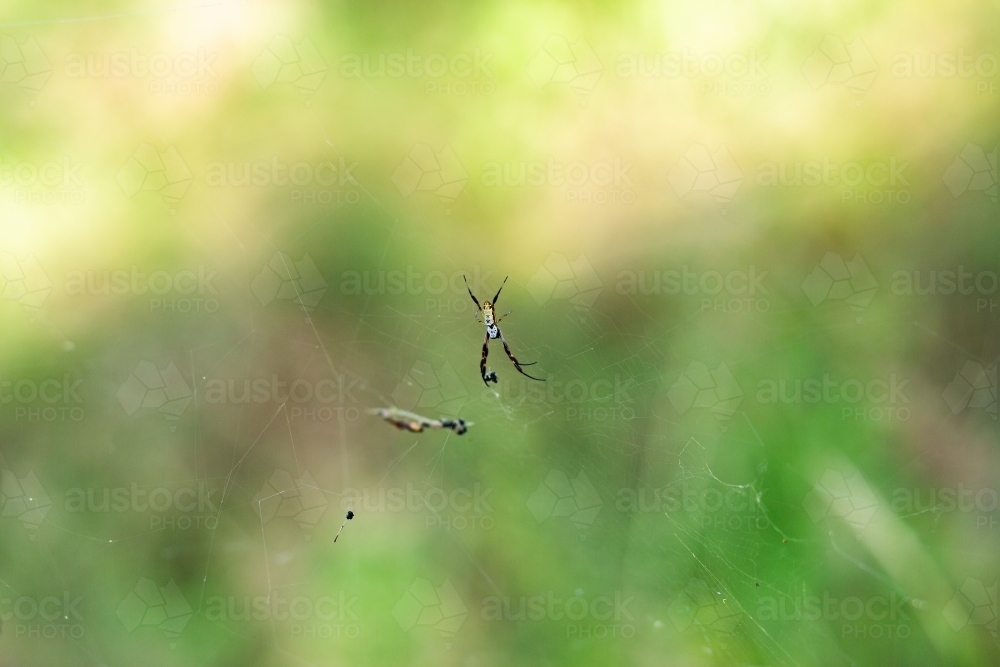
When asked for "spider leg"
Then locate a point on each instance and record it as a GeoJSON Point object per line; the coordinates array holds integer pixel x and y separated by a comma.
{"type": "Point", "coordinates": [517, 364]}
{"type": "Point", "coordinates": [498, 322]}
{"type": "Point", "coordinates": [478, 307]}
{"type": "Point", "coordinates": [498, 291]}
{"type": "Point", "coordinates": [487, 377]}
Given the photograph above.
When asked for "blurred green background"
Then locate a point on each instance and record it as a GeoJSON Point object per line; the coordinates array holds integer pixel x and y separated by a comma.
{"type": "Point", "coordinates": [752, 248]}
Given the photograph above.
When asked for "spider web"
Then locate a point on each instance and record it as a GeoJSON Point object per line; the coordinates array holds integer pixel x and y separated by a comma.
{"type": "Point", "coordinates": [667, 493]}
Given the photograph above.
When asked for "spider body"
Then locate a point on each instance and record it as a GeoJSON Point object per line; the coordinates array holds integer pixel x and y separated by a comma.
{"type": "Point", "coordinates": [492, 333]}
{"type": "Point", "coordinates": [492, 330]}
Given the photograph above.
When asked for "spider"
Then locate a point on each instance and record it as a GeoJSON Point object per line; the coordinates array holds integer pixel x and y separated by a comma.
{"type": "Point", "coordinates": [492, 333]}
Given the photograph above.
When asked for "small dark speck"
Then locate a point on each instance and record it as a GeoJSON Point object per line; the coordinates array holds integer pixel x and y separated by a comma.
{"type": "Point", "coordinates": [350, 514]}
